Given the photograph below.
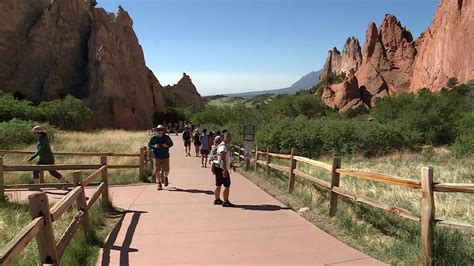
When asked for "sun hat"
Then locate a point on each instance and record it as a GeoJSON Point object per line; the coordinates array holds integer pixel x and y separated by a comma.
{"type": "Point", "coordinates": [38, 129]}
{"type": "Point", "coordinates": [161, 127]}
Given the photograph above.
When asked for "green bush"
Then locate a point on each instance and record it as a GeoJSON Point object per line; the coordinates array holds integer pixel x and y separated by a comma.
{"type": "Point", "coordinates": [464, 145]}
{"type": "Point", "coordinates": [16, 133]}
{"type": "Point", "coordinates": [69, 113]}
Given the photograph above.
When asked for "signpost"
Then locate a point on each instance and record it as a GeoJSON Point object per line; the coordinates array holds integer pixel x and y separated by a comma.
{"type": "Point", "coordinates": [249, 136]}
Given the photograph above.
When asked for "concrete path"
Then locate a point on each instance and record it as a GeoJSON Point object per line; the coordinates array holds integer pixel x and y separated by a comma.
{"type": "Point", "coordinates": [180, 225]}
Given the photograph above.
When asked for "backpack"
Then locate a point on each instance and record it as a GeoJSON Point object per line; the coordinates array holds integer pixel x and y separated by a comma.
{"type": "Point", "coordinates": [186, 135]}
{"type": "Point", "coordinates": [213, 156]}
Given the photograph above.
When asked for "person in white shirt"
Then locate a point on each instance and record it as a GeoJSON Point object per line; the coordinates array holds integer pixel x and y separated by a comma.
{"type": "Point", "coordinates": [222, 169]}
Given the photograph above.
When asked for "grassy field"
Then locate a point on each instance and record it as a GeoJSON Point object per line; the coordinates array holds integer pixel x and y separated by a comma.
{"type": "Point", "coordinates": [13, 216]}
{"type": "Point", "coordinates": [383, 235]}
{"type": "Point", "coordinates": [99, 141]}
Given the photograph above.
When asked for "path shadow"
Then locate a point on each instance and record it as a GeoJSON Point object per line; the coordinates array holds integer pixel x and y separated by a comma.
{"type": "Point", "coordinates": [208, 192]}
{"type": "Point", "coordinates": [125, 248]}
{"type": "Point", "coordinates": [262, 207]}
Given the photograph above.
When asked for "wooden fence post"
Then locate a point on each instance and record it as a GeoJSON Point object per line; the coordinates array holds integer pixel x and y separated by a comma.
{"type": "Point", "coordinates": [268, 161]}
{"type": "Point", "coordinates": [41, 177]}
{"type": "Point", "coordinates": [238, 150]}
{"type": "Point", "coordinates": [2, 181]}
{"type": "Point", "coordinates": [256, 158]}
{"type": "Point", "coordinates": [150, 160]}
{"type": "Point", "coordinates": [82, 204]}
{"type": "Point", "coordinates": [291, 181]}
{"type": "Point", "coordinates": [105, 179]}
{"type": "Point", "coordinates": [427, 213]}
{"type": "Point", "coordinates": [141, 170]}
{"type": "Point", "coordinates": [39, 206]}
{"type": "Point", "coordinates": [336, 164]}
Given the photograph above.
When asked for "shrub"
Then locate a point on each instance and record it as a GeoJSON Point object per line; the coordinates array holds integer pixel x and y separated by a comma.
{"type": "Point", "coordinates": [464, 145]}
{"type": "Point", "coordinates": [68, 113]}
{"type": "Point", "coordinates": [16, 133]}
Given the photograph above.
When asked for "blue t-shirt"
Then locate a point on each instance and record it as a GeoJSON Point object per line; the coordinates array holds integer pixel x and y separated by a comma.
{"type": "Point", "coordinates": [204, 139]}
{"type": "Point", "coordinates": [160, 152]}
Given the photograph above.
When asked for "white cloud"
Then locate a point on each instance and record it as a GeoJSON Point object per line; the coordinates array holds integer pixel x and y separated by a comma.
{"type": "Point", "coordinates": [222, 83]}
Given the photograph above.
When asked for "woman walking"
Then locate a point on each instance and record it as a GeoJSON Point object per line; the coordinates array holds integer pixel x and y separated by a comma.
{"type": "Point", "coordinates": [196, 141]}
{"type": "Point", "coordinates": [45, 154]}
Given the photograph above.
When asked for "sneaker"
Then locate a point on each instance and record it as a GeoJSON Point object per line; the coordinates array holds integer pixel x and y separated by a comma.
{"type": "Point", "coordinates": [166, 181]}
{"type": "Point", "coordinates": [202, 165]}
{"type": "Point", "coordinates": [218, 202]}
{"type": "Point", "coordinates": [189, 154]}
{"type": "Point", "coordinates": [227, 204]}
{"type": "Point", "coordinates": [160, 187]}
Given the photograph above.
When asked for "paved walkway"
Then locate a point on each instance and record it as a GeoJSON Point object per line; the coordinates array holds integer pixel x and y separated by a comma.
{"type": "Point", "coordinates": [180, 225]}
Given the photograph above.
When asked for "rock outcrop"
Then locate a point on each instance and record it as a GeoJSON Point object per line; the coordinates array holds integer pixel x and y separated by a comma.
{"type": "Point", "coordinates": [445, 49]}
{"type": "Point", "coordinates": [49, 49]}
{"type": "Point", "coordinates": [183, 94]}
{"type": "Point", "coordinates": [344, 96]}
{"type": "Point", "coordinates": [393, 63]}
{"type": "Point", "coordinates": [348, 62]}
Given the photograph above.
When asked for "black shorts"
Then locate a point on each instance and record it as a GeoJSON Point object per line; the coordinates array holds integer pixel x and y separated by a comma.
{"type": "Point", "coordinates": [220, 180]}
{"type": "Point", "coordinates": [187, 143]}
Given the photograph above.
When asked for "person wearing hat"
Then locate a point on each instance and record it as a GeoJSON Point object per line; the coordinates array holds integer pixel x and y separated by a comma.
{"type": "Point", "coordinates": [44, 153]}
{"type": "Point", "coordinates": [160, 144]}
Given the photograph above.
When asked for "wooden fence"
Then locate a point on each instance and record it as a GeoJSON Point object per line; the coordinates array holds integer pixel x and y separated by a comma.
{"type": "Point", "coordinates": [144, 157]}
{"type": "Point", "coordinates": [426, 218]}
{"type": "Point", "coordinates": [41, 227]}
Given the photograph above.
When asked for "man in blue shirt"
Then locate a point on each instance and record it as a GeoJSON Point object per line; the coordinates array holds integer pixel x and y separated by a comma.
{"type": "Point", "coordinates": [160, 144]}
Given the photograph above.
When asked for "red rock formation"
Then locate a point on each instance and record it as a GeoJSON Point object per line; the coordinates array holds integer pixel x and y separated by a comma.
{"type": "Point", "coordinates": [348, 61]}
{"type": "Point", "coordinates": [393, 63]}
{"type": "Point", "coordinates": [183, 94]}
{"type": "Point", "coordinates": [445, 50]}
{"type": "Point", "coordinates": [343, 96]}
{"type": "Point", "coordinates": [49, 49]}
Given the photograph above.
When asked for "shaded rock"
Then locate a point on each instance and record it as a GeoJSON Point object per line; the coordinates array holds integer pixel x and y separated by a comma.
{"type": "Point", "coordinates": [183, 94]}
{"type": "Point", "coordinates": [344, 95]}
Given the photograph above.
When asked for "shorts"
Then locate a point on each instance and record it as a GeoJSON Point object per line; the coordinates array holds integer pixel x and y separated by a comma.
{"type": "Point", "coordinates": [220, 180]}
{"type": "Point", "coordinates": [187, 143]}
{"type": "Point", "coordinates": [205, 152]}
{"type": "Point", "coordinates": [162, 164]}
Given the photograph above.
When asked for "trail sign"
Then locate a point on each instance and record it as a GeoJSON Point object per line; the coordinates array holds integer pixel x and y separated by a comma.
{"type": "Point", "coordinates": [249, 133]}
{"type": "Point", "coordinates": [247, 150]}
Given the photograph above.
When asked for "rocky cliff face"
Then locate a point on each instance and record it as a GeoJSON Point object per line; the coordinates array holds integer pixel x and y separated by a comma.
{"type": "Point", "coordinates": [445, 49]}
{"type": "Point", "coordinates": [393, 63]}
{"type": "Point", "coordinates": [49, 49]}
{"type": "Point", "coordinates": [347, 62]}
{"type": "Point", "coordinates": [183, 94]}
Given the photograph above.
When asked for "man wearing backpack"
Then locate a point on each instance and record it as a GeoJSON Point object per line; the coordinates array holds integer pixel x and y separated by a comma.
{"type": "Point", "coordinates": [161, 143]}
{"type": "Point", "coordinates": [187, 141]}
{"type": "Point", "coordinates": [222, 169]}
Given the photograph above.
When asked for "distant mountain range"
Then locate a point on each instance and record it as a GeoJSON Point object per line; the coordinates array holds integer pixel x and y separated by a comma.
{"type": "Point", "coordinates": [304, 83]}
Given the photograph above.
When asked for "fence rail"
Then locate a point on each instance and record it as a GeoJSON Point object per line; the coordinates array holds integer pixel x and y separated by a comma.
{"type": "Point", "coordinates": [41, 227]}
{"type": "Point", "coordinates": [426, 218]}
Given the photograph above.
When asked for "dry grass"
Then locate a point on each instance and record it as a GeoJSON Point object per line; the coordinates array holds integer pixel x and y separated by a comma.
{"type": "Point", "coordinates": [383, 235]}
{"type": "Point", "coordinates": [100, 141]}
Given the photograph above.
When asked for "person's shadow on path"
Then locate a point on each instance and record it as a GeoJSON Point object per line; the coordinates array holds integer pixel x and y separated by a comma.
{"type": "Point", "coordinates": [207, 192]}
{"type": "Point", "coordinates": [261, 207]}
{"type": "Point", "coordinates": [125, 248]}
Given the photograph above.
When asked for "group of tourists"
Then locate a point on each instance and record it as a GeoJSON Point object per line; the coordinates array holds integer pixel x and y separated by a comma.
{"type": "Point", "coordinates": [212, 147]}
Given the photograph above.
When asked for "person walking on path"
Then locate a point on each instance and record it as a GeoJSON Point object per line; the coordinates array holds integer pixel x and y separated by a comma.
{"type": "Point", "coordinates": [187, 141]}
{"type": "Point", "coordinates": [204, 139]}
{"type": "Point", "coordinates": [45, 154]}
{"type": "Point", "coordinates": [222, 168]}
{"type": "Point", "coordinates": [196, 141]}
{"type": "Point", "coordinates": [161, 143]}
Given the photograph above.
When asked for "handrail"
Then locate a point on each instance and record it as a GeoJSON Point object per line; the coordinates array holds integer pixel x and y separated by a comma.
{"type": "Point", "coordinates": [451, 187]}
{"type": "Point", "coordinates": [29, 168]}
{"type": "Point", "coordinates": [313, 162]}
{"type": "Point", "coordinates": [277, 155]}
{"type": "Point", "coordinates": [381, 178]}
{"type": "Point", "coordinates": [63, 205]}
{"type": "Point", "coordinates": [69, 233]}
{"type": "Point", "coordinates": [91, 177]}
{"type": "Point", "coordinates": [13, 248]}
{"type": "Point", "coordinates": [110, 154]}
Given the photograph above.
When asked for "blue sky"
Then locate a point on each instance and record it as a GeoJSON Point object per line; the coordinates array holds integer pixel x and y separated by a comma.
{"type": "Point", "coordinates": [244, 45]}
